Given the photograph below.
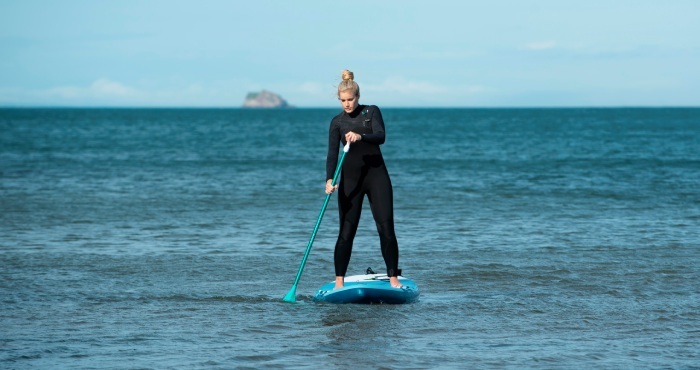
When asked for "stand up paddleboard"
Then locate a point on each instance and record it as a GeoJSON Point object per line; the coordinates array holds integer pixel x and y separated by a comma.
{"type": "Point", "coordinates": [369, 288]}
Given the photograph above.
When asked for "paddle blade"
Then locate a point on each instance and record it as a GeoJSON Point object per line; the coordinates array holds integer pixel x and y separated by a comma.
{"type": "Point", "coordinates": [291, 295]}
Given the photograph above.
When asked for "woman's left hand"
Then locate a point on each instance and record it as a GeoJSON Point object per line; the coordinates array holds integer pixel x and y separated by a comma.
{"type": "Point", "coordinates": [352, 137]}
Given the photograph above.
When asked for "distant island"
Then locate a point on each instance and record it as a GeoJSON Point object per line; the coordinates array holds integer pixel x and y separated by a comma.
{"type": "Point", "coordinates": [264, 99]}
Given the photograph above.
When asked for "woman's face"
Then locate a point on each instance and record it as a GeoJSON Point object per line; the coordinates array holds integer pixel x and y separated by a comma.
{"type": "Point", "coordinates": [348, 100]}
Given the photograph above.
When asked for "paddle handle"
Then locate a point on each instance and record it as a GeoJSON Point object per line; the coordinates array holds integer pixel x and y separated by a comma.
{"type": "Point", "coordinates": [290, 297]}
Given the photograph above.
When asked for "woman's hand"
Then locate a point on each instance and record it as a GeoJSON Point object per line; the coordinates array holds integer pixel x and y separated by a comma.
{"type": "Point", "coordinates": [352, 137]}
{"type": "Point", "coordinates": [330, 188]}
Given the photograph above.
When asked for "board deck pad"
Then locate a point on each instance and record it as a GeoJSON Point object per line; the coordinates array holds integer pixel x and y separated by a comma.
{"type": "Point", "coordinates": [369, 288]}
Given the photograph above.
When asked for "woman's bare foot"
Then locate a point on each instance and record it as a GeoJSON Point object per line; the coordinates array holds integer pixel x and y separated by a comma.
{"type": "Point", "coordinates": [394, 280]}
{"type": "Point", "coordinates": [339, 282]}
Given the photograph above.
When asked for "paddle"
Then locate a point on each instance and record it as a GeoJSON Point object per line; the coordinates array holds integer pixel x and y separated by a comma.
{"type": "Point", "coordinates": [292, 294]}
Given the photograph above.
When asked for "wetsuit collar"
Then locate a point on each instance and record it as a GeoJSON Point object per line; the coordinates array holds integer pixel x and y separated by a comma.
{"type": "Point", "coordinates": [356, 112]}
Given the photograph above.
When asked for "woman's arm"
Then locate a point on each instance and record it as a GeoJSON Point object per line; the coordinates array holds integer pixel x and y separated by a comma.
{"type": "Point", "coordinates": [333, 148]}
{"type": "Point", "coordinates": [378, 135]}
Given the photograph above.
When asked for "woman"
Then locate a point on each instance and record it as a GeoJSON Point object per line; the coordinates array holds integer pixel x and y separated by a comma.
{"type": "Point", "coordinates": [363, 173]}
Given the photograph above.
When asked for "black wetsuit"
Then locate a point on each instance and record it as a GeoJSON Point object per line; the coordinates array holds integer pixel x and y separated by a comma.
{"type": "Point", "coordinates": [363, 173]}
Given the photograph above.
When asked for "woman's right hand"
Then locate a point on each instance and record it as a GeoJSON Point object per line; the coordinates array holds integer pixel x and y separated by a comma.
{"type": "Point", "coordinates": [330, 188]}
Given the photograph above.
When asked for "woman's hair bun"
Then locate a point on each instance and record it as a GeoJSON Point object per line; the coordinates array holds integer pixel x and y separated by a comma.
{"type": "Point", "coordinates": [347, 75]}
{"type": "Point", "coordinates": [348, 83]}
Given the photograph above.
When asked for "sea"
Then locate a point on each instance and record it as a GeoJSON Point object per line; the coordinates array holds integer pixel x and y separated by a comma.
{"type": "Point", "coordinates": [167, 238]}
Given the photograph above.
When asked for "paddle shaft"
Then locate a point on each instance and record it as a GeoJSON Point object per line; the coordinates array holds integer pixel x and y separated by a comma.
{"type": "Point", "coordinates": [318, 223]}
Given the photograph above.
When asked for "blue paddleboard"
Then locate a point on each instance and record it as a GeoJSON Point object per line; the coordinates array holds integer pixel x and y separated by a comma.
{"type": "Point", "coordinates": [370, 288]}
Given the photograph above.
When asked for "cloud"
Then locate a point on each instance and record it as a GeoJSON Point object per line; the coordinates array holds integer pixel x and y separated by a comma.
{"type": "Point", "coordinates": [100, 89]}
{"type": "Point", "coordinates": [104, 91]}
{"type": "Point", "coordinates": [313, 88]}
{"type": "Point", "coordinates": [404, 86]}
{"type": "Point", "coordinates": [66, 92]}
{"type": "Point", "coordinates": [105, 87]}
{"type": "Point", "coordinates": [394, 90]}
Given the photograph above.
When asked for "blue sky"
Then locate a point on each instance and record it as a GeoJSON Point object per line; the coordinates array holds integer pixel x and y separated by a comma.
{"type": "Point", "coordinates": [211, 53]}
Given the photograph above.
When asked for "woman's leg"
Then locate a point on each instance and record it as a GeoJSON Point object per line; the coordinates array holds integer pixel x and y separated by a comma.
{"type": "Point", "coordinates": [381, 200]}
{"type": "Point", "coordinates": [350, 209]}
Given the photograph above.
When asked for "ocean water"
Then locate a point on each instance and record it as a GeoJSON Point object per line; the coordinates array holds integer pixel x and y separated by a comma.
{"type": "Point", "coordinates": [166, 238]}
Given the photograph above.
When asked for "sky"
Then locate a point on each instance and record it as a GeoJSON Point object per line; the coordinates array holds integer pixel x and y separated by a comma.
{"type": "Point", "coordinates": [212, 53]}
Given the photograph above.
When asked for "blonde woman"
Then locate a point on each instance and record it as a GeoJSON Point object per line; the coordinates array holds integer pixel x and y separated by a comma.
{"type": "Point", "coordinates": [363, 173]}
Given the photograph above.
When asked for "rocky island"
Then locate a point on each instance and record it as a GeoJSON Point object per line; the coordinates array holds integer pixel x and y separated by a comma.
{"type": "Point", "coordinates": [264, 99]}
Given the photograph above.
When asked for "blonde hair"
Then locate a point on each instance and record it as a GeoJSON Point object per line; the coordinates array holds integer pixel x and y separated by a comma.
{"type": "Point", "coordinates": [348, 83]}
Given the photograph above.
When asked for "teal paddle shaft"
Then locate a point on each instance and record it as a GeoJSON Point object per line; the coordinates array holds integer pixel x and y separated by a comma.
{"type": "Point", "coordinates": [292, 294]}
